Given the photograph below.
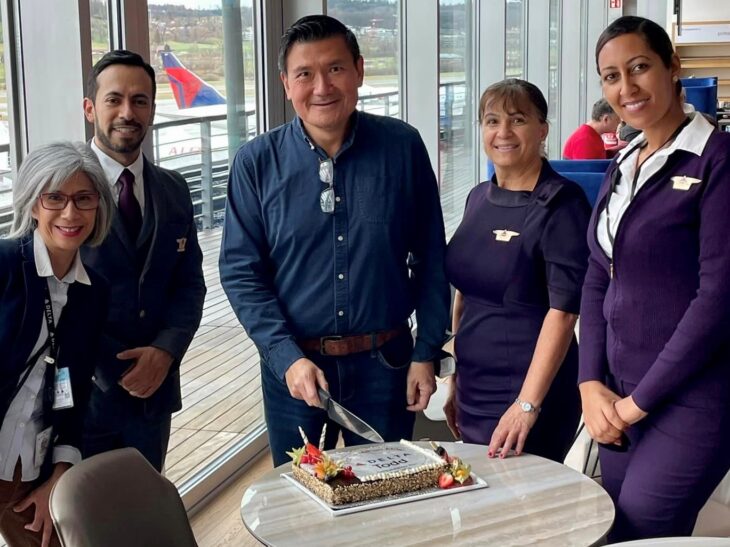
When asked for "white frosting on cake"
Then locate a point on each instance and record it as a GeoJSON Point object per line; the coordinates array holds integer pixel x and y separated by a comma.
{"type": "Point", "coordinates": [373, 462]}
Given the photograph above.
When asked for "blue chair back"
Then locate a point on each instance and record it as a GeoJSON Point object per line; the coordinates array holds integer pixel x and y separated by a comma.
{"type": "Point", "coordinates": [588, 174]}
{"type": "Point", "coordinates": [490, 169]}
{"type": "Point", "coordinates": [702, 94]}
{"type": "Point", "coordinates": [589, 182]}
{"type": "Point", "coordinates": [583, 166]}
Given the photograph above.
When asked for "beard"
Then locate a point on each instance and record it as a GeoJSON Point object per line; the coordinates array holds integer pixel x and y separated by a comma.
{"type": "Point", "coordinates": [125, 147]}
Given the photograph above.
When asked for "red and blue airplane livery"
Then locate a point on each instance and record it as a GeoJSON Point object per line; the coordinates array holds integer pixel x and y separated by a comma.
{"type": "Point", "coordinates": [189, 90]}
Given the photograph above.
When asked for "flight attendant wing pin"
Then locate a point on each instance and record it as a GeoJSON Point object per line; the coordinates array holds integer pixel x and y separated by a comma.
{"type": "Point", "coordinates": [504, 235]}
{"type": "Point", "coordinates": [684, 182]}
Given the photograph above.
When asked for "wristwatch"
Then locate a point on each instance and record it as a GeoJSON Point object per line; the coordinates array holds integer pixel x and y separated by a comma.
{"type": "Point", "coordinates": [526, 406]}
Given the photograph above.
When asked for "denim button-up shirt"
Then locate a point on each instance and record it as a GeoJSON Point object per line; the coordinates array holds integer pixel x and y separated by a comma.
{"type": "Point", "coordinates": [292, 271]}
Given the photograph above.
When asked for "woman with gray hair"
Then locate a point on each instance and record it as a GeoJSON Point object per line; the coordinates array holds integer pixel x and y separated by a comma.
{"type": "Point", "coordinates": [51, 312]}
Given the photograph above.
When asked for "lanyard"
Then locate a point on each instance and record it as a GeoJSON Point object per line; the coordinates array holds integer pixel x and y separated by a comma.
{"type": "Point", "coordinates": [50, 342]}
{"type": "Point", "coordinates": [616, 176]}
{"type": "Point", "coordinates": [51, 366]}
{"type": "Point", "coordinates": [48, 314]}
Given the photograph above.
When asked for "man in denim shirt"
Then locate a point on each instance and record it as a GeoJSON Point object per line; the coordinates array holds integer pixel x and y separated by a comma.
{"type": "Point", "coordinates": [333, 237]}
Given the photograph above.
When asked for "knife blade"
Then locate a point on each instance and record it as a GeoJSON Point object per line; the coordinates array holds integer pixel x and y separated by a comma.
{"type": "Point", "coordinates": [339, 414]}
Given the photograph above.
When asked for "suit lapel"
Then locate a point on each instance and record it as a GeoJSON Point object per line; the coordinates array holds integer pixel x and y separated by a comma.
{"type": "Point", "coordinates": [31, 323]}
{"type": "Point", "coordinates": [148, 222]}
{"type": "Point", "coordinates": [154, 216]}
{"type": "Point", "coordinates": [78, 306]}
{"type": "Point", "coordinates": [120, 232]}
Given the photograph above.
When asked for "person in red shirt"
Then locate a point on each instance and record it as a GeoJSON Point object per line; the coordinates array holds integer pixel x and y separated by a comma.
{"type": "Point", "coordinates": [586, 142]}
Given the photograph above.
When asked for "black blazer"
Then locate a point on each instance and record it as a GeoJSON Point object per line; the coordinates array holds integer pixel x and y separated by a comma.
{"type": "Point", "coordinates": [78, 333]}
{"type": "Point", "coordinates": [157, 290]}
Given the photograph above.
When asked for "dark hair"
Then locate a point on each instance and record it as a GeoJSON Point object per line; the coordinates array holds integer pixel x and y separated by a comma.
{"type": "Point", "coordinates": [313, 28]}
{"type": "Point", "coordinates": [118, 57]}
{"type": "Point", "coordinates": [600, 109]}
{"type": "Point", "coordinates": [515, 93]}
{"type": "Point", "coordinates": [653, 34]}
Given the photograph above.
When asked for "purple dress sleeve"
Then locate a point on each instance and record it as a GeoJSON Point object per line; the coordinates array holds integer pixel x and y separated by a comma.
{"type": "Point", "coordinates": [565, 249]}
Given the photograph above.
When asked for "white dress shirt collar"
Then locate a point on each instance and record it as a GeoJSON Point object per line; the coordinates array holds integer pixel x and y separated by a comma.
{"type": "Point", "coordinates": [44, 268]}
{"type": "Point", "coordinates": [692, 138]}
{"type": "Point", "coordinates": [112, 168]}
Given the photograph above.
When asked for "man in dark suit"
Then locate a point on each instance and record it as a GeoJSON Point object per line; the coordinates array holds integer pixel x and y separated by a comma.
{"type": "Point", "coordinates": [153, 263]}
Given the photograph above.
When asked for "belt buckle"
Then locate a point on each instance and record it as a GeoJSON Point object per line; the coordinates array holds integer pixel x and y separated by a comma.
{"type": "Point", "coordinates": [324, 339]}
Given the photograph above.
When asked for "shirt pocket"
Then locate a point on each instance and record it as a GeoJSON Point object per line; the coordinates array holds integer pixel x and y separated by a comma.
{"type": "Point", "coordinates": [375, 198]}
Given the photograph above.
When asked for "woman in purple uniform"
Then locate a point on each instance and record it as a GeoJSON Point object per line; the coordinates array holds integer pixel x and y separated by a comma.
{"type": "Point", "coordinates": [517, 261]}
{"type": "Point", "coordinates": [655, 315]}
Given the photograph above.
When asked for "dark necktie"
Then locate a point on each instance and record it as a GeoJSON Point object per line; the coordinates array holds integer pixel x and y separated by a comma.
{"type": "Point", "coordinates": [129, 206]}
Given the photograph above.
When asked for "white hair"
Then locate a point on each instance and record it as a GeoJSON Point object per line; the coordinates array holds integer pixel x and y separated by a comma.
{"type": "Point", "coordinates": [46, 169]}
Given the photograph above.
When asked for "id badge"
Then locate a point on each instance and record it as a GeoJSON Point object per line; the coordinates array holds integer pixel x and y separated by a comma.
{"type": "Point", "coordinates": [42, 441]}
{"type": "Point", "coordinates": [62, 396]}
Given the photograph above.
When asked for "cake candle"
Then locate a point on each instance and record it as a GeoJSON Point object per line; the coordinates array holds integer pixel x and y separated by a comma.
{"type": "Point", "coordinates": [321, 437]}
{"type": "Point", "coordinates": [304, 437]}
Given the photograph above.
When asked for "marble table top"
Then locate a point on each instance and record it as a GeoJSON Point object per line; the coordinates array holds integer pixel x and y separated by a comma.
{"type": "Point", "coordinates": [530, 501]}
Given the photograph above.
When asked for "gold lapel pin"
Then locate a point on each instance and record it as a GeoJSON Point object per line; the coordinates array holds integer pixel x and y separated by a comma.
{"type": "Point", "coordinates": [504, 235]}
{"type": "Point", "coordinates": [684, 182]}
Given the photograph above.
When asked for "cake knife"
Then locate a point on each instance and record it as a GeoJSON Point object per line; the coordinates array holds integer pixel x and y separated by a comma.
{"type": "Point", "coordinates": [338, 413]}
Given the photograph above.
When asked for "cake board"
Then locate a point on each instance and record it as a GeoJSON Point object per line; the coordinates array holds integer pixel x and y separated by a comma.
{"type": "Point", "coordinates": [375, 503]}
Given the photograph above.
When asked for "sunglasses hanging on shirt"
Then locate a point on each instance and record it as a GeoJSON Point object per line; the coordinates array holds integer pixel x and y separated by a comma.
{"type": "Point", "coordinates": [326, 175]}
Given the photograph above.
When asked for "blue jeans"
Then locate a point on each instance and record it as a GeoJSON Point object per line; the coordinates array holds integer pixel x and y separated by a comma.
{"type": "Point", "coordinates": [370, 384]}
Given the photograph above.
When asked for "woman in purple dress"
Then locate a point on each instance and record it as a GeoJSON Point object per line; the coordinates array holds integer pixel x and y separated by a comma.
{"type": "Point", "coordinates": [517, 262]}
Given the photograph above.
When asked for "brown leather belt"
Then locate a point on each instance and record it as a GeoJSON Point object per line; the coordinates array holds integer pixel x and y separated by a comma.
{"type": "Point", "coordinates": [339, 346]}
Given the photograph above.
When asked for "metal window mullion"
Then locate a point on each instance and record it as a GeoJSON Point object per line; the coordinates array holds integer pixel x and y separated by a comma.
{"type": "Point", "coordinates": [14, 83]}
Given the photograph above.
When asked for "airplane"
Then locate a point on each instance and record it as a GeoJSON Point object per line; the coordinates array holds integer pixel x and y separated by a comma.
{"type": "Point", "coordinates": [189, 89]}
{"type": "Point", "coordinates": [194, 98]}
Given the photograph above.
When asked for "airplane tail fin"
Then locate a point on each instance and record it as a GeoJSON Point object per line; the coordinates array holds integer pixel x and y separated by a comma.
{"type": "Point", "coordinates": [188, 88]}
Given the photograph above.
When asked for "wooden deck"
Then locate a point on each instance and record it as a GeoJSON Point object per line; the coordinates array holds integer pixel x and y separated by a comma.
{"type": "Point", "coordinates": [220, 381]}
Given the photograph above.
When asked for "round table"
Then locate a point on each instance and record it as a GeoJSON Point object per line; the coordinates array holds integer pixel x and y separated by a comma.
{"type": "Point", "coordinates": [530, 501]}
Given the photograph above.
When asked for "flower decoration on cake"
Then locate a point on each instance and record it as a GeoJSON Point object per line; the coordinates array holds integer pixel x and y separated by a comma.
{"type": "Point", "coordinates": [306, 454]}
{"type": "Point", "coordinates": [324, 468]}
{"type": "Point", "coordinates": [457, 474]}
{"type": "Point", "coordinates": [296, 455]}
{"type": "Point", "coordinates": [461, 471]}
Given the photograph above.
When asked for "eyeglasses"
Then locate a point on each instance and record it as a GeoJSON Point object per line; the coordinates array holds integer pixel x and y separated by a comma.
{"type": "Point", "coordinates": [56, 201]}
{"type": "Point", "coordinates": [326, 175]}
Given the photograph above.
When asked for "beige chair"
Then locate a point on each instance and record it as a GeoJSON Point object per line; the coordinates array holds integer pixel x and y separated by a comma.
{"type": "Point", "coordinates": [117, 499]}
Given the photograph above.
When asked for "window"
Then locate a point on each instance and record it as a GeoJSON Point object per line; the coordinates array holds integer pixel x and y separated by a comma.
{"type": "Point", "coordinates": [192, 132]}
{"type": "Point", "coordinates": [203, 53]}
{"type": "Point", "coordinates": [376, 26]}
{"type": "Point", "coordinates": [6, 167]}
{"type": "Point", "coordinates": [514, 39]}
{"type": "Point", "coordinates": [554, 149]}
{"type": "Point", "coordinates": [99, 11]}
{"type": "Point", "coordinates": [457, 116]}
